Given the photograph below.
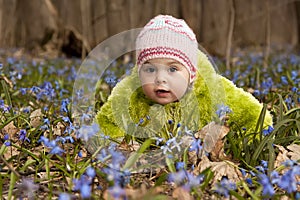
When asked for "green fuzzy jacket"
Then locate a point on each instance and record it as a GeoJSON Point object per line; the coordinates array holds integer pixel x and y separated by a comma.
{"type": "Point", "coordinates": [129, 111]}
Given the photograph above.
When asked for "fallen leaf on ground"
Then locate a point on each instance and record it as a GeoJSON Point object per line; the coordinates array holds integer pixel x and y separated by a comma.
{"type": "Point", "coordinates": [281, 157]}
{"type": "Point", "coordinates": [294, 151]}
{"type": "Point", "coordinates": [220, 169]}
{"type": "Point", "coordinates": [36, 118]}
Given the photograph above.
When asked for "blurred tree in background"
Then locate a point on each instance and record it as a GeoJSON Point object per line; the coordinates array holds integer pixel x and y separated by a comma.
{"type": "Point", "coordinates": [74, 27]}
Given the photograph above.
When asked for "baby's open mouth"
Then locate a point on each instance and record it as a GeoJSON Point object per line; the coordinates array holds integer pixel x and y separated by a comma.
{"type": "Point", "coordinates": [162, 91]}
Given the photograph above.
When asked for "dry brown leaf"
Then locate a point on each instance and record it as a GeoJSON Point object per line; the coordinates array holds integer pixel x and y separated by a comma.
{"type": "Point", "coordinates": [281, 157]}
{"type": "Point", "coordinates": [59, 129]}
{"type": "Point", "coordinates": [10, 129]}
{"type": "Point", "coordinates": [294, 151]}
{"type": "Point", "coordinates": [181, 194]}
{"type": "Point", "coordinates": [211, 134]}
{"type": "Point", "coordinates": [220, 169]}
{"type": "Point", "coordinates": [136, 194]}
{"type": "Point", "coordinates": [36, 118]}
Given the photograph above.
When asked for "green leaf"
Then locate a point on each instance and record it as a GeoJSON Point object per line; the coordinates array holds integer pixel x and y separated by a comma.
{"type": "Point", "coordinates": [135, 156]}
{"type": "Point", "coordinates": [13, 179]}
{"type": "Point", "coordinates": [27, 164]}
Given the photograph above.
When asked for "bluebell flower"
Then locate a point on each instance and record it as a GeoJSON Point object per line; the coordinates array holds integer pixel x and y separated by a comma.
{"type": "Point", "coordinates": [6, 140]}
{"type": "Point", "coordinates": [56, 150]}
{"type": "Point", "coordinates": [64, 105]}
{"type": "Point", "coordinates": [177, 177]}
{"type": "Point", "coordinates": [268, 131]}
{"type": "Point", "coordinates": [289, 163]}
{"type": "Point", "coordinates": [103, 155]}
{"type": "Point", "coordinates": [224, 187]}
{"type": "Point", "coordinates": [243, 171]}
{"type": "Point", "coordinates": [249, 181]}
{"type": "Point", "coordinates": [264, 163]}
{"type": "Point", "coordinates": [87, 131]}
{"type": "Point", "coordinates": [223, 110]}
{"type": "Point", "coordinates": [172, 143]}
{"type": "Point", "coordinates": [80, 154]}
{"type": "Point", "coordinates": [294, 89]}
{"type": "Point", "coordinates": [256, 93]}
{"type": "Point", "coordinates": [158, 140]}
{"type": "Point", "coordinates": [279, 68]}
{"type": "Point", "coordinates": [64, 196]}
{"type": "Point", "coordinates": [116, 191]}
{"type": "Point", "coordinates": [284, 80]}
{"type": "Point", "coordinates": [166, 149]}
{"type": "Point", "coordinates": [288, 181]}
{"type": "Point", "coordinates": [180, 165]}
{"type": "Point", "coordinates": [117, 158]}
{"type": "Point", "coordinates": [23, 91]}
{"type": "Point", "coordinates": [90, 171]}
{"type": "Point", "coordinates": [26, 109]}
{"type": "Point", "coordinates": [85, 191]}
{"type": "Point", "coordinates": [28, 187]}
{"type": "Point", "coordinates": [83, 184]}
{"type": "Point", "coordinates": [3, 107]}
{"type": "Point", "coordinates": [193, 181]}
{"type": "Point", "coordinates": [22, 136]}
{"type": "Point", "coordinates": [260, 169]}
{"type": "Point", "coordinates": [85, 117]}
{"type": "Point", "coordinates": [196, 145]}
{"type": "Point", "coordinates": [268, 189]}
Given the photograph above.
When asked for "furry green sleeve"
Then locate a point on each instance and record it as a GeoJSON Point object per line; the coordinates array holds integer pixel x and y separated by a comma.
{"type": "Point", "coordinates": [245, 107]}
{"type": "Point", "coordinates": [113, 115]}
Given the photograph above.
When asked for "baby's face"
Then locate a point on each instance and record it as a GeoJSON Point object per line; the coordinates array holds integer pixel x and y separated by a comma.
{"type": "Point", "coordinates": [164, 80]}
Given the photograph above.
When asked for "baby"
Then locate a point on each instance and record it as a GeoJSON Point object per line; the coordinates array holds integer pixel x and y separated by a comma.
{"type": "Point", "coordinates": [174, 85]}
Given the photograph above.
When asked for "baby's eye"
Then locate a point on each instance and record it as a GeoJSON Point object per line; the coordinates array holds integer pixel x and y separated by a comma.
{"type": "Point", "coordinates": [148, 68]}
{"type": "Point", "coordinates": [173, 69]}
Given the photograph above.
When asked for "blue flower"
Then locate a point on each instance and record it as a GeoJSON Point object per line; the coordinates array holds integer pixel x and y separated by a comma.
{"type": "Point", "coordinates": [56, 150]}
{"type": "Point", "coordinates": [87, 131]}
{"type": "Point", "coordinates": [172, 143]}
{"type": "Point", "coordinates": [268, 189]}
{"type": "Point", "coordinates": [284, 80]}
{"type": "Point", "coordinates": [116, 191]}
{"type": "Point", "coordinates": [166, 149]}
{"type": "Point", "coordinates": [64, 196]}
{"type": "Point", "coordinates": [177, 177]}
{"type": "Point", "coordinates": [268, 131]}
{"type": "Point", "coordinates": [90, 171]}
{"type": "Point", "coordinates": [223, 110]}
{"type": "Point", "coordinates": [193, 181]}
{"type": "Point", "coordinates": [80, 154]}
{"type": "Point", "coordinates": [288, 180]}
{"type": "Point", "coordinates": [180, 165]}
{"type": "Point", "coordinates": [249, 181]}
{"type": "Point", "coordinates": [64, 105]}
{"type": "Point", "coordinates": [22, 136]}
{"type": "Point", "coordinates": [23, 91]}
{"type": "Point", "coordinates": [85, 191]}
{"type": "Point", "coordinates": [224, 187]}
{"type": "Point", "coordinates": [83, 184]}
{"type": "Point", "coordinates": [6, 140]}
{"type": "Point", "coordinates": [264, 163]}
{"type": "Point", "coordinates": [3, 106]}
{"type": "Point", "coordinates": [196, 145]}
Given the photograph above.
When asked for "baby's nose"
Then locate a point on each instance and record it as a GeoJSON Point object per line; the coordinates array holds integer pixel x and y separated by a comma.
{"type": "Point", "coordinates": [161, 77]}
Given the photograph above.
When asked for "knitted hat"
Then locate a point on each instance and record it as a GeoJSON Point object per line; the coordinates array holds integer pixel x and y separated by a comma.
{"type": "Point", "coordinates": [167, 37]}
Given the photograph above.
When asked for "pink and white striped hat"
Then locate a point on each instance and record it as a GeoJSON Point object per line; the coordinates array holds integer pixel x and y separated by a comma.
{"type": "Point", "coordinates": [167, 37]}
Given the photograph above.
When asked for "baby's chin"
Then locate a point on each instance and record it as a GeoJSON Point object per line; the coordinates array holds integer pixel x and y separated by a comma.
{"type": "Point", "coordinates": [164, 101]}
